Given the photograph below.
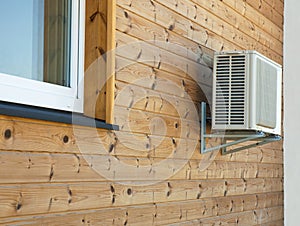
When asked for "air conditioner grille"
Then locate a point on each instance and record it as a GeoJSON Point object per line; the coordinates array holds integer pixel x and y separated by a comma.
{"type": "Point", "coordinates": [230, 90]}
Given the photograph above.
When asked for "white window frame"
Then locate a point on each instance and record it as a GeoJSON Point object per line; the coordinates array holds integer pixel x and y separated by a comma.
{"type": "Point", "coordinates": [37, 93]}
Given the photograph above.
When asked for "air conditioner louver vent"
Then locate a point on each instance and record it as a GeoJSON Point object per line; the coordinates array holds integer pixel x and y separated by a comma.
{"type": "Point", "coordinates": [246, 92]}
{"type": "Point", "coordinates": [230, 90]}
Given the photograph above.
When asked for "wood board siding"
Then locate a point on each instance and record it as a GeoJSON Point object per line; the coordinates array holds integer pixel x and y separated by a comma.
{"type": "Point", "coordinates": [163, 72]}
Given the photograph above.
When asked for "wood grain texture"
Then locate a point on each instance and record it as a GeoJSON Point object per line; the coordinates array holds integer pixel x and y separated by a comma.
{"type": "Point", "coordinates": [268, 11]}
{"type": "Point", "coordinates": [54, 174]}
{"type": "Point", "coordinates": [227, 30]}
{"type": "Point", "coordinates": [42, 168]}
{"type": "Point", "coordinates": [167, 213]}
{"type": "Point", "coordinates": [176, 23]}
{"type": "Point", "coordinates": [268, 216]}
{"type": "Point", "coordinates": [213, 30]}
{"type": "Point", "coordinates": [252, 15]}
{"type": "Point", "coordinates": [95, 59]}
{"type": "Point", "coordinates": [111, 62]}
{"type": "Point", "coordinates": [45, 137]}
{"type": "Point", "coordinates": [19, 200]}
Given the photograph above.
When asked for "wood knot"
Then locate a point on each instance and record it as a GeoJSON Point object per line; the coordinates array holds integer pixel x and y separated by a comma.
{"type": "Point", "coordinates": [126, 14]}
{"type": "Point", "coordinates": [65, 139]}
{"type": "Point", "coordinates": [176, 125]}
{"type": "Point", "coordinates": [7, 134]}
{"type": "Point", "coordinates": [111, 148]}
{"type": "Point", "coordinates": [112, 189]}
{"type": "Point", "coordinates": [18, 206]}
{"type": "Point", "coordinates": [129, 191]}
{"type": "Point", "coordinates": [171, 27]}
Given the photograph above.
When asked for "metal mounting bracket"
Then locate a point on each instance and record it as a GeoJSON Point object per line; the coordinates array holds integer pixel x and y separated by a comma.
{"type": "Point", "coordinates": [260, 137]}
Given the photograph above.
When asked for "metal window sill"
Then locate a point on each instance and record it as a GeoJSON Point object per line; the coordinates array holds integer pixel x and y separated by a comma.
{"type": "Point", "coordinates": [52, 115]}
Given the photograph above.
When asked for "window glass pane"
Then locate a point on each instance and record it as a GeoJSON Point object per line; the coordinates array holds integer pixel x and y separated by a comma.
{"type": "Point", "coordinates": [57, 41]}
{"type": "Point", "coordinates": [35, 39]}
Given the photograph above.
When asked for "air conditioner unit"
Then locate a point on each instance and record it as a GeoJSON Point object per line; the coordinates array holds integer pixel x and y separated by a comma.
{"type": "Point", "coordinates": [246, 92]}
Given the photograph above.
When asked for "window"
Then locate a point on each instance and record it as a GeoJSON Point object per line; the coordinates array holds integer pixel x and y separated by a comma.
{"type": "Point", "coordinates": [41, 53]}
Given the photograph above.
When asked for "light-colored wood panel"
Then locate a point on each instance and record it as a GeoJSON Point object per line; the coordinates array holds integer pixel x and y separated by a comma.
{"type": "Point", "coordinates": [130, 48]}
{"type": "Point", "coordinates": [267, 10]}
{"type": "Point", "coordinates": [187, 28]}
{"type": "Point", "coordinates": [46, 179]}
{"type": "Point", "coordinates": [95, 27]}
{"type": "Point", "coordinates": [42, 168]}
{"type": "Point", "coordinates": [111, 62]}
{"type": "Point", "coordinates": [249, 13]}
{"type": "Point", "coordinates": [161, 81]}
{"type": "Point", "coordinates": [151, 32]}
{"type": "Point", "coordinates": [247, 37]}
{"type": "Point", "coordinates": [255, 217]}
{"type": "Point", "coordinates": [18, 200]}
{"type": "Point", "coordinates": [277, 5]}
{"type": "Point", "coordinates": [244, 17]}
{"type": "Point", "coordinates": [132, 121]}
{"type": "Point", "coordinates": [38, 136]}
{"type": "Point", "coordinates": [131, 96]}
{"type": "Point", "coordinates": [177, 23]}
{"type": "Point", "coordinates": [142, 52]}
{"type": "Point", "coordinates": [95, 64]}
{"type": "Point", "coordinates": [274, 223]}
{"type": "Point", "coordinates": [157, 213]}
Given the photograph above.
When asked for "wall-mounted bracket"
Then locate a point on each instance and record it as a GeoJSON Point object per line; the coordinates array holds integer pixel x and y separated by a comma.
{"type": "Point", "coordinates": [235, 137]}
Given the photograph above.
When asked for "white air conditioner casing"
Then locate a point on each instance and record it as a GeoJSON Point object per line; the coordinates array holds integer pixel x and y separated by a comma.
{"type": "Point", "coordinates": [246, 92]}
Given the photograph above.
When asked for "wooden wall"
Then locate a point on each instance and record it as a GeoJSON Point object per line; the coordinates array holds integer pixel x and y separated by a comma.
{"type": "Point", "coordinates": [46, 179]}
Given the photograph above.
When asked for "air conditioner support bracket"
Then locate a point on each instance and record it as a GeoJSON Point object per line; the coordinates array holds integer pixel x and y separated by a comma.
{"type": "Point", "coordinates": [260, 137]}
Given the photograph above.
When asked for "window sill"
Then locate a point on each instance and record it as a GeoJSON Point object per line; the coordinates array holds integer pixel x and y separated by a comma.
{"type": "Point", "coordinates": [45, 114]}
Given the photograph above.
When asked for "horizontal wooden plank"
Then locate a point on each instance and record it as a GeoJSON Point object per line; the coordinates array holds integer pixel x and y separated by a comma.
{"type": "Point", "coordinates": [247, 37]}
{"type": "Point", "coordinates": [148, 100]}
{"type": "Point", "coordinates": [40, 136]}
{"type": "Point", "coordinates": [42, 168]}
{"type": "Point", "coordinates": [176, 23]}
{"type": "Point", "coordinates": [255, 217]}
{"type": "Point", "coordinates": [273, 223]}
{"type": "Point", "coordinates": [145, 76]}
{"type": "Point", "coordinates": [162, 61]}
{"type": "Point", "coordinates": [158, 213]}
{"type": "Point", "coordinates": [277, 5]}
{"type": "Point", "coordinates": [19, 200]}
{"type": "Point", "coordinates": [153, 33]}
{"type": "Point", "coordinates": [187, 28]}
{"type": "Point", "coordinates": [251, 15]}
{"type": "Point", "coordinates": [139, 51]}
{"type": "Point", "coordinates": [137, 121]}
{"type": "Point", "coordinates": [268, 11]}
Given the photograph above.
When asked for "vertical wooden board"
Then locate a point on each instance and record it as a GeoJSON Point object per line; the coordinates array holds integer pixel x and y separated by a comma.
{"type": "Point", "coordinates": [95, 59]}
{"type": "Point", "coordinates": [95, 27]}
{"type": "Point", "coordinates": [110, 68]}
